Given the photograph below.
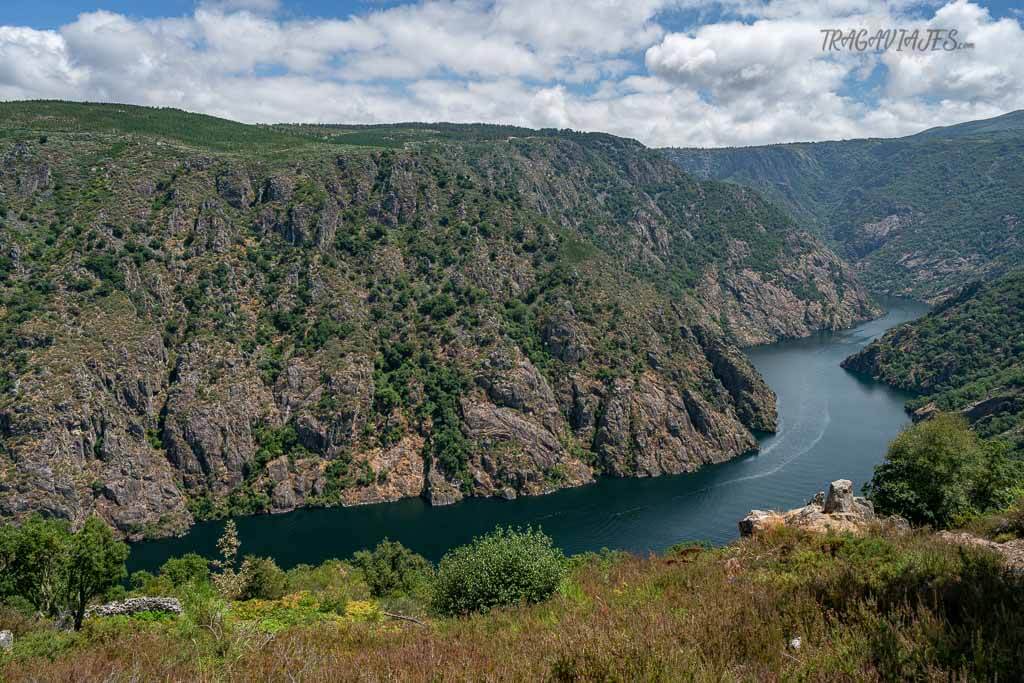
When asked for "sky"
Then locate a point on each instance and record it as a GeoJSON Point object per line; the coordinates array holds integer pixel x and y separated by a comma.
{"type": "Point", "coordinates": [666, 72]}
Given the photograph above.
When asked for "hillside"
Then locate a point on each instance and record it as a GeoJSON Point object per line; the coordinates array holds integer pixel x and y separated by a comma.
{"type": "Point", "coordinates": [202, 318]}
{"type": "Point", "coordinates": [920, 216]}
{"type": "Point", "coordinates": [966, 355]}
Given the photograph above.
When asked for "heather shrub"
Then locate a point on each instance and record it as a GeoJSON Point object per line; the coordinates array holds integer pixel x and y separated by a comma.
{"type": "Point", "coordinates": [504, 567]}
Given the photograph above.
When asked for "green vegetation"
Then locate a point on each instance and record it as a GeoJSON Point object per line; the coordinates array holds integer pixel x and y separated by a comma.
{"type": "Point", "coordinates": [965, 355]}
{"type": "Point", "coordinates": [392, 568]}
{"type": "Point", "coordinates": [949, 197]}
{"type": "Point", "coordinates": [882, 606]}
{"type": "Point", "coordinates": [505, 567]}
{"type": "Point", "coordinates": [56, 571]}
{"type": "Point", "coordinates": [940, 473]}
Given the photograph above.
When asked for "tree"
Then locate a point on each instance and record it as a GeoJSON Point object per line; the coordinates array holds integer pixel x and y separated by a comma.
{"type": "Point", "coordinates": [262, 579]}
{"type": "Point", "coordinates": [95, 563]}
{"type": "Point", "coordinates": [37, 562]}
{"type": "Point", "coordinates": [938, 472]}
{"type": "Point", "coordinates": [189, 568]}
{"type": "Point", "coordinates": [392, 568]}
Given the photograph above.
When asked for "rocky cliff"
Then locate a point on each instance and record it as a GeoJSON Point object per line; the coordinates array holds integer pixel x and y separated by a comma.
{"type": "Point", "coordinates": [202, 318]}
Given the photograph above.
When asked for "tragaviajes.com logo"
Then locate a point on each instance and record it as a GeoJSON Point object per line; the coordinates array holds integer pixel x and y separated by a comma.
{"type": "Point", "coordinates": [898, 39]}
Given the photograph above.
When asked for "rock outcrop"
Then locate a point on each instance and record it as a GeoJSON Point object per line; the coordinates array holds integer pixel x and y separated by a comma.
{"type": "Point", "coordinates": [1011, 551]}
{"type": "Point", "coordinates": [134, 606]}
{"type": "Point", "coordinates": [838, 511]}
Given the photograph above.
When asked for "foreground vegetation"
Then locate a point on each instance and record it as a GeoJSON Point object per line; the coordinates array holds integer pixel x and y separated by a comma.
{"type": "Point", "coordinates": [880, 606]}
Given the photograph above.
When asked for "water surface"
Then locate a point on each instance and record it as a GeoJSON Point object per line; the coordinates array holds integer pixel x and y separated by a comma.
{"type": "Point", "coordinates": [832, 425]}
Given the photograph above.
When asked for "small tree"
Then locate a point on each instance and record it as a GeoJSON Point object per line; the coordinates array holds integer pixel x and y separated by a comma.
{"type": "Point", "coordinates": [189, 568]}
{"type": "Point", "coordinates": [229, 581]}
{"type": "Point", "coordinates": [95, 563]}
{"type": "Point", "coordinates": [262, 579]}
{"type": "Point", "coordinates": [392, 568]}
{"type": "Point", "coordinates": [505, 567]}
{"type": "Point", "coordinates": [938, 472]}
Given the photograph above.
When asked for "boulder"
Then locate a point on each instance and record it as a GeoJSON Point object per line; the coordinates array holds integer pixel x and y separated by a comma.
{"type": "Point", "coordinates": [840, 497]}
{"type": "Point", "coordinates": [6, 640]}
{"type": "Point", "coordinates": [759, 520]}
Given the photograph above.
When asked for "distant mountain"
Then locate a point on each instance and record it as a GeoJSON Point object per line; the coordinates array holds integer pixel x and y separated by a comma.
{"type": "Point", "coordinates": [1010, 124]}
{"type": "Point", "coordinates": [199, 317]}
{"type": "Point", "coordinates": [966, 355]}
{"type": "Point", "coordinates": [921, 215]}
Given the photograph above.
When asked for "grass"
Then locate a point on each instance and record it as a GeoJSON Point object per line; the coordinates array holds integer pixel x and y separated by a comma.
{"type": "Point", "coordinates": [880, 607]}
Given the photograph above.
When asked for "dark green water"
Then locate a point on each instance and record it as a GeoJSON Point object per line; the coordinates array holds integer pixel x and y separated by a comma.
{"type": "Point", "coordinates": [832, 425]}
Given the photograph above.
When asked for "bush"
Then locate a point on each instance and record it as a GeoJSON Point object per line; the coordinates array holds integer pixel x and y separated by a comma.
{"type": "Point", "coordinates": [264, 580]}
{"type": "Point", "coordinates": [505, 567]}
{"type": "Point", "coordinates": [393, 568]}
{"type": "Point", "coordinates": [186, 569]}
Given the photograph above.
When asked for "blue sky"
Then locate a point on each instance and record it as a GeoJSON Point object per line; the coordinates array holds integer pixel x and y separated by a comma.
{"type": "Point", "coordinates": [54, 13]}
{"type": "Point", "coordinates": [668, 72]}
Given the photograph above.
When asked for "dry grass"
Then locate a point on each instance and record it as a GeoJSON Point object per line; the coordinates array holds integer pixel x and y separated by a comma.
{"type": "Point", "coordinates": [715, 615]}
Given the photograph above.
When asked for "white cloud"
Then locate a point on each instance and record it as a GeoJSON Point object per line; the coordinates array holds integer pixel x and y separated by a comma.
{"type": "Point", "coordinates": [756, 76]}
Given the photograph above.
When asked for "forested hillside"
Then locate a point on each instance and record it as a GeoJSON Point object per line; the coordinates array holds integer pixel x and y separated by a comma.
{"type": "Point", "coordinates": [202, 318]}
{"type": "Point", "coordinates": [966, 355]}
{"type": "Point", "coordinates": [920, 216]}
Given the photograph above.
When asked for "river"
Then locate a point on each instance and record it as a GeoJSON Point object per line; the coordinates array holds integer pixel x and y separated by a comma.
{"type": "Point", "coordinates": [832, 425]}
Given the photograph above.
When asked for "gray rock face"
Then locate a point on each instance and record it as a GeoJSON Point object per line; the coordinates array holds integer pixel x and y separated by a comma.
{"type": "Point", "coordinates": [6, 640]}
{"type": "Point", "coordinates": [840, 497]}
{"type": "Point", "coordinates": [134, 606]}
{"type": "Point", "coordinates": [236, 189]}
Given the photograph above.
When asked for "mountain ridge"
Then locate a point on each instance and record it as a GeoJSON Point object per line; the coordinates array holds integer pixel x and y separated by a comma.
{"type": "Point", "coordinates": [214, 327]}
{"type": "Point", "coordinates": [918, 216]}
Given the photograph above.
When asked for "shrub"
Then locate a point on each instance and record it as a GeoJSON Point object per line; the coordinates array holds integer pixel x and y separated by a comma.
{"type": "Point", "coordinates": [263, 579]}
{"type": "Point", "coordinates": [186, 569]}
{"type": "Point", "coordinates": [393, 568]}
{"type": "Point", "coordinates": [504, 567]}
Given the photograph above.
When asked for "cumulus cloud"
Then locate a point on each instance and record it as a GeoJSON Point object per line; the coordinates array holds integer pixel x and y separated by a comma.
{"type": "Point", "coordinates": [756, 74]}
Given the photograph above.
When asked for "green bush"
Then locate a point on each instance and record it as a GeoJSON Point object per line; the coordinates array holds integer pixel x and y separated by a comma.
{"type": "Point", "coordinates": [392, 568]}
{"type": "Point", "coordinates": [504, 567]}
{"type": "Point", "coordinates": [264, 580]}
{"type": "Point", "coordinates": [186, 569]}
